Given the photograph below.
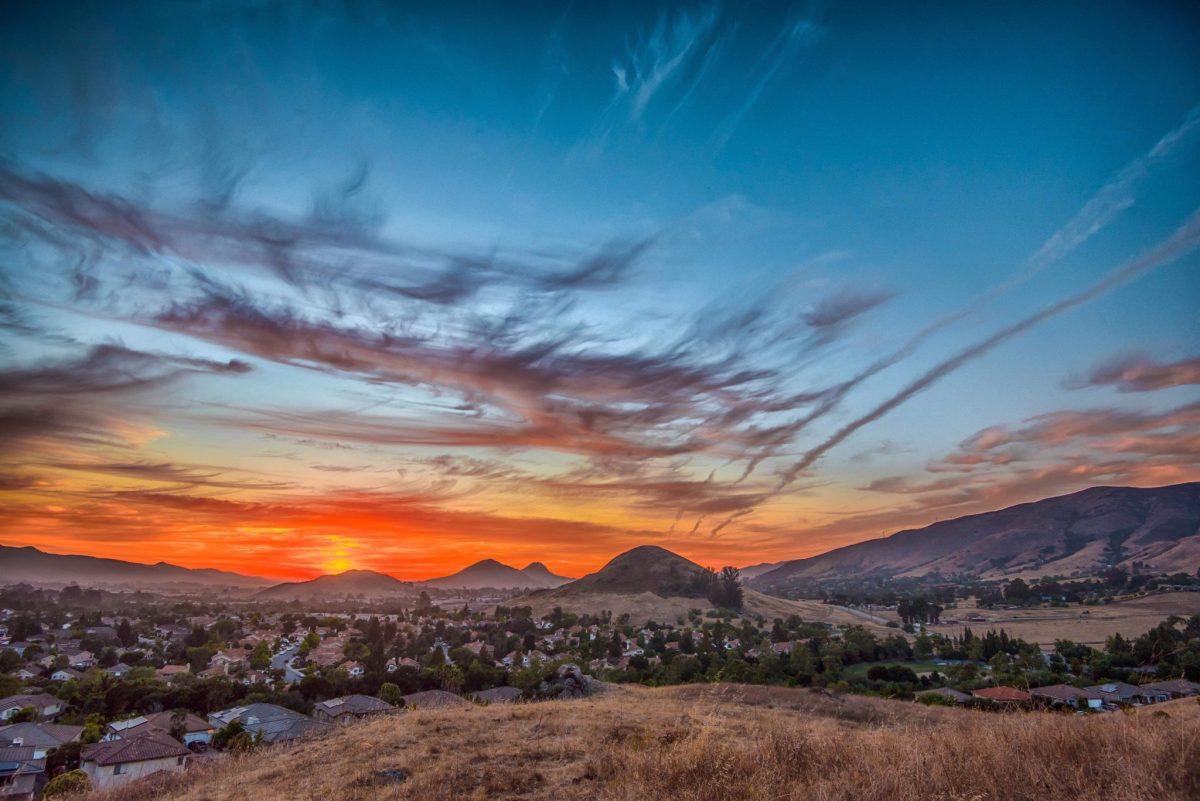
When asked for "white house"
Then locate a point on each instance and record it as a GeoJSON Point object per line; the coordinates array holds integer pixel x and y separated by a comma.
{"type": "Point", "coordinates": [116, 762]}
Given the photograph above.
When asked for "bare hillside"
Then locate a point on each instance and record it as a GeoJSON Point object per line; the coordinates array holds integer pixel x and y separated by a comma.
{"type": "Point", "coordinates": [722, 741]}
{"type": "Point", "coordinates": [1077, 534]}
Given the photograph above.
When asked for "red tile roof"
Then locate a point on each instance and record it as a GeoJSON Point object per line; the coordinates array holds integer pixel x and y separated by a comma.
{"type": "Point", "coordinates": [155, 745]}
{"type": "Point", "coordinates": [1002, 694]}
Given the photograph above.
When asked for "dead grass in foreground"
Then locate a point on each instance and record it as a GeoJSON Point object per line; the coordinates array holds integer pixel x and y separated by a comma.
{"type": "Point", "coordinates": [720, 742]}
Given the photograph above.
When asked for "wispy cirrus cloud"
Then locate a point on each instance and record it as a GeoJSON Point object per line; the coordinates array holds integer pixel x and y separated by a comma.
{"type": "Point", "coordinates": [651, 63]}
{"type": "Point", "coordinates": [1184, 240]}
{"type": "Point", "coordinates": [779, 54]}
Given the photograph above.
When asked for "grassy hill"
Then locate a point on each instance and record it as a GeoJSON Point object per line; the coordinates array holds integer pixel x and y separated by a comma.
{"type": "Point", "coordinates": [703, 742]}
{"type": "Point", "coordinates": [652, 583]}
{"type": "Point", "coordinates": [1077, 534]}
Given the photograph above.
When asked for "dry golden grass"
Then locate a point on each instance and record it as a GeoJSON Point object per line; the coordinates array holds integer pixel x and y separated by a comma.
{"type": "Point", "coordinates": [719, 742]}
{"type": "Point", "coordinates": [1090, 625]}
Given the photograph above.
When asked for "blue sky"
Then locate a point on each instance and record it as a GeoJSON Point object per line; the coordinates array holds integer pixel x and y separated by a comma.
{"type": "Point", "coordinates": [627, 242]}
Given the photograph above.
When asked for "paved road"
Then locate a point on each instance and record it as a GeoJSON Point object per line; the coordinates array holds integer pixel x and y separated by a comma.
{"type": "Point", "coordinates": [281, 660]}
{"type": "Point", "coordinates": [882, 621]}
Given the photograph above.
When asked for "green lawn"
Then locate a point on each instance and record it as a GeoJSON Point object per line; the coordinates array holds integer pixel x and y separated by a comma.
{"type": "Point", "coordinates": [915, 665]}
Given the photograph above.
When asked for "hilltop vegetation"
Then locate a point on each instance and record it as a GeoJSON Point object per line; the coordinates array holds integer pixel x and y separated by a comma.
{"type": "Point", "coordinates": [716, 742]}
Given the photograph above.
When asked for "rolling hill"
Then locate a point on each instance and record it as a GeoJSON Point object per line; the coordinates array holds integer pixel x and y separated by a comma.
{"type": "Point", "coordinates": [1078, 534]}
{"type": "Point", "coordinates": [754, 571]}
{"type": "Point", "coordinates": [351, 583]}
{"type": "Point", "coordinates": [719, 741]}
{"type": "Point", "coordinates": [652, 583]}
{"type": "Point", "coordinates": [539, 571]}
{"type": "Point", "coordinates": [490, 574]}
{"type": "Point", "coordinates": [30, 565]}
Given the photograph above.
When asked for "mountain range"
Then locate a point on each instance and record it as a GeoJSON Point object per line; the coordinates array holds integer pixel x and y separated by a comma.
{"type": "Point", "coordinates": [1072, 535]}
{"type": "Point", "coordinates": [1078, 534]}
{"type": "Point", "coordinates": [28, 564]}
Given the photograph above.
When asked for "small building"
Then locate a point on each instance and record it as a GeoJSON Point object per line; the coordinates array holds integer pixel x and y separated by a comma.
{"type": "Point", "coordinates": [273, 724]}
{"type": "Point", "coordinates": [498, 695]}
{"type": "Point", "coordinates": [349, 708]}
{"type": "Point", "coordinates": [1176, 688]}
{"type": "Point", "coordinates": [1005, 696]}
{"type": "Point", "coordinates": [193, 728]}
{"type": "Point", "coordinates": [949, 693]}
{"type": "Point", "coordinates": [82, 660]}
{"type": "Point", "coordinates": [1064, 695]}
{"type": "Point", "coordinates": [66, 674]}
{"type": "Point", "coordinates": [47, 706]}
{"type": "Point", "coordinates": [41, 737]}
{"type": "Point", "coordinates": [117, 762]}
{"type": "Point", "coordinates": [1119, 693]}
{"type": "Point", "coordinates": [167, 672]}
{"type": "Point", "coordinates": [22, 774]}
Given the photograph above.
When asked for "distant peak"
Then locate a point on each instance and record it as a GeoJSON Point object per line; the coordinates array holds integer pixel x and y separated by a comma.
{"type": "Point", "coordinates": [535, 567]}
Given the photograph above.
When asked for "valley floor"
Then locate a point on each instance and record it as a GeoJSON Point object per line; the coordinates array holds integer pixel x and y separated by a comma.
{"type": "Point", "coordinates": [707, 742]}
{"type": "Point", "coordinates": [1089, 625]}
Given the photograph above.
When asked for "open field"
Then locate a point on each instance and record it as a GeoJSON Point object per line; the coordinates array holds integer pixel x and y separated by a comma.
{"type": "Point", "coordinates": [1091, 625]}
{"type": "Point", "coordinates": [717, 742]}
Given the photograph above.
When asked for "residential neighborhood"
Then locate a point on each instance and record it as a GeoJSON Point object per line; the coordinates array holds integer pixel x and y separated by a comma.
{"type": "Point", "coordinates": [117, 688]}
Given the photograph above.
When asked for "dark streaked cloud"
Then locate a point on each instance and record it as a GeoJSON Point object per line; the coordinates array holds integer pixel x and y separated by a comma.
{"type": "Point", "coordinates": [88, 400]}
{"type": "Point", "coordinates": [1138, 372]}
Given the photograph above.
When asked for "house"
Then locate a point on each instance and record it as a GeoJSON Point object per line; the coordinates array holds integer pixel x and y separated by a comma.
{"type": "Point", "coordinates": [26, 673]}
{"type": "Point", "coordinates": [272, 723]}
{"type": "Point", "coordinates": [1006, 696]}
{"type": "Point", "coordinates": [1060, 695]}
{"type": "Point", "coordinates": [47, 706]}
{"type": "Point", "coordinates": [105, 633]}
{"type": "Point", "coordinates": [1176, 688]}
{"type": "Point", "coordinates": [167, 672]}
{"type": "Point", "coordinates": [783, 648]}
{"type": "Point", "coordinates": [119, 670]}
{"type": "Point", "coordinates": [41, 737]}
{"type": "Point", "coordinates": [252, 677]}
{"type": "Point", "coordinates": [349, 708]}
{"type": "Point", "coordinates": [353, 668]}
{"type": "Point", "coordinates": [82, 660]}
{"type": "Point", "coordinates": [195, 729]}
{"type": "Point", "coordinates": [66, 674]}
{"type": "Point", "coordinates": [394, 664]}
{"type": "Point", "coordinates": [1118, 693]}
{"type": "Point", "coordinates": [225, 661]}
{"type": "Point", "coordinates": [117, 762]}
{"type": "Point", "coordinates": [949, 693]}
{"type": "Point", "coordinates": [22, 775]}
{"type": "Point", "coordinates": [498, 695]}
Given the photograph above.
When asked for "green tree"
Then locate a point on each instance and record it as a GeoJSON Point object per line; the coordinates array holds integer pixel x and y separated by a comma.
{"type": "Point", "coordinates": [260, 657]}
{"type": "Point", "coordinates": [26, 714]}
{"type": "Point", "coordinates": [69, 783]}
{"type": "Point", "coordinates": [125, 633]}
{"type": "Point", "coordinates": [390, 693]}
